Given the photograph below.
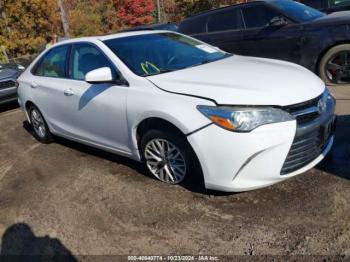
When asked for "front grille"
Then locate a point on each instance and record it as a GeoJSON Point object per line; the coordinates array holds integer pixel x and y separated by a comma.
{"type": "Point", "coordinates": [304, 112]}
{"type": "Point", "coordinates": [7, 84]}
{"type": "Point", "coordinates": [312, 135]}
{"type": "Point", "coordinates": [304, 150]}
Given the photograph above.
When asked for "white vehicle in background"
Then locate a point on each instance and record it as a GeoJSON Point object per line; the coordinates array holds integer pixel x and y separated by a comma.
{"type": "Point", "coordinates": [183, 107]}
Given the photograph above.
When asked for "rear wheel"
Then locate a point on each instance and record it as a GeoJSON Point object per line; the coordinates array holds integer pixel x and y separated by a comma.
{"type": "Point", "coordinates": [40, 128]}
{"type": "Point", "coordinates": [169, 157]}
{"type": "Point", "coordinates": [334, 67]}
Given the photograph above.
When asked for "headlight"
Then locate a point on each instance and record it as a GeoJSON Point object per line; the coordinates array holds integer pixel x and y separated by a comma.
{"type": "Point", "coordinates": [327, 95]}
{"type": "Point", "coordinates": [325, 102]}
{"type": "Point", "coordinates": [242, 119]}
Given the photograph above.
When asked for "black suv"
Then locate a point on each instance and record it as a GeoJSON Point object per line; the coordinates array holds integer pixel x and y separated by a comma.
{"type": "Point", "coordinates": [328, 6]}
{"type": "Point", "coordinates": [280, 29]}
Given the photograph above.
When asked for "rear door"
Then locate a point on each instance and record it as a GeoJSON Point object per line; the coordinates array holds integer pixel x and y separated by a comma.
{"type": "Point", "coordinates": [262, 39]}
{"type": "Point", "coordinates": [224, 29]}
{"type": "Point", "coordinates": [48, 84]}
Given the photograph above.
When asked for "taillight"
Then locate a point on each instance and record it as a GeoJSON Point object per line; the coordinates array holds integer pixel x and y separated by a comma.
{"type": "Point", "coordinates": [17, 84]}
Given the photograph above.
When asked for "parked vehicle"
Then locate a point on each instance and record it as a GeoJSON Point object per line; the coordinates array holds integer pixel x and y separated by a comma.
{"type": "Point", "coordinates": [181, 106]}
{"type": "Point", "coordinates": [8, 76]}
{"type": "Point", "coordinates": [328, 6]}
{"type": "Point", "coordinates": [162, 26]}
{"type": "Point", "coordinates": [280, 29]}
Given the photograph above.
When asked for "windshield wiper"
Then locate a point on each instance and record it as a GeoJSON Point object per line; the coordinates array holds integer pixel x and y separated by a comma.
{"type": "Point", "coordinates": [161, 71]}
{"type": "Point", "coordinates": [198, 64]}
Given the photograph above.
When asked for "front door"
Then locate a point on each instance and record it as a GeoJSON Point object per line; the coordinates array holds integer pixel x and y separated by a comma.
{"type": "Point", "coordinates": [97, 111]}
{"type": "Point", "coordinates": [262, 38]}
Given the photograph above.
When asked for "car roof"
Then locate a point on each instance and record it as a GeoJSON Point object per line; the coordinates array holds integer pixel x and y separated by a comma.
{"type": "Point", "coordinates": [227, 7]}
{"type": "Point", "coordinates": [114, 36]}
{"type": "Point", "coordinates": [158, 26]}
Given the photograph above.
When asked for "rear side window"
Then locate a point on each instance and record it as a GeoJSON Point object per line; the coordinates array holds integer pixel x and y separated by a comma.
{"type": "Point", "coordinates": [53, 64]}
{"type": "Point", "coordinates": [195, 25]}
{"type": "Point", "coordinates": [85, 58]}
{"type": "Point", "coordinates": [228, 20]}
{"type": "Point", "coordinates": [258, 15]}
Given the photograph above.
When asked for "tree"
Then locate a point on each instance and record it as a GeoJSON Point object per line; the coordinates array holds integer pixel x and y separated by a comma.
{"type": "Point", "coordinates": [25, 23]}
{"type": "Point", "coordinates": [91, 17]}
{"type": "Point", "coordinates": [135, 12]}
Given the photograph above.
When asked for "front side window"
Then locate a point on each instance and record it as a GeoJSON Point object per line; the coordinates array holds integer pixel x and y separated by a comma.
{"type": "Point", "coordinates": [85, 58]}
{"type": "Point", "coordinates": [314, 3]}
{"type": "Point", "coordinates": [259, 15]}
{"type": "Point", "coordinates": [335, 3]}
{"type": "Point", "coordinates": [151, 54]}
{"type": "Point", "coordinates": [297, 11]}
{"type": "Point", "coordinates": [54, 63]}
{"type": "Point", "coordinates": [228, 20]}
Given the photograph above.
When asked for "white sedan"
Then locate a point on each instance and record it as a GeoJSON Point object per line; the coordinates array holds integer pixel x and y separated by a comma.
{"type": "Point", "coordinates": [185, 108]}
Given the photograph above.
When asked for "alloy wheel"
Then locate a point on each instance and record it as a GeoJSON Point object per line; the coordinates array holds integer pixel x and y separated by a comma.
{"type": "Point", "coordinates": [38, 123]}
{"type": "Point", "coordinates": [338, 68]}
{"type": "Point", "coordinates": [165, 161]}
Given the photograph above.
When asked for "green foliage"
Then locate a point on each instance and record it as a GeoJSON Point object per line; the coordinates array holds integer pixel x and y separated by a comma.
{"type": "Point", "coordinates": [91, 17]}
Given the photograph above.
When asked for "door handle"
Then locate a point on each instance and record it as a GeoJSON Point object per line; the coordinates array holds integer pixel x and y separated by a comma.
{"type": "Point", "coordinates": [68, 92]}
{"type": "Point", "coordinates": [33, 85]}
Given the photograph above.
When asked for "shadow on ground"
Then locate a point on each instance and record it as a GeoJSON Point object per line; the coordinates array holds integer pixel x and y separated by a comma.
{"type": "Point", "coordinates": [8, 107]}
{"type": "Point", "coordinates": [195, 185]}
{"type": "Point", "coordinates": [338, 161]}
{"type": "Point", "coordinates": [20, 244]}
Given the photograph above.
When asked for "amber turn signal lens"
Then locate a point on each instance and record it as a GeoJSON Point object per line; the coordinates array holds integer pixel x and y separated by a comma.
{"type": "Point", "coordinates": [223, 122]}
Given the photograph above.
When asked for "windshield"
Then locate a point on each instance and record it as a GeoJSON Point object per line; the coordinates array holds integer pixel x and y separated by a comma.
{"type": "Point", "coordinates": [152, 54]}
{"type": "Point", "coordinates": [297, 11]}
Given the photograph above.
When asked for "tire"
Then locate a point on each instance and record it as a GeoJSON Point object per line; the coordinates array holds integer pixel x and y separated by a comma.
{"type": "Point", "coordinates": [179, 163]}
{"type": "Point", "coordinates": [329, 68]}
{"type": "Point", "coordinates": [40, 128]}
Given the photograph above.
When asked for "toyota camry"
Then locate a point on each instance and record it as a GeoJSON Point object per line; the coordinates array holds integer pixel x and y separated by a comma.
{"type": "Point", "coordinates": [183, 107]}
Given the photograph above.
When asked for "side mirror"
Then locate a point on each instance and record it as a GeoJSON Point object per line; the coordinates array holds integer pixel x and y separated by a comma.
{"type": "Point", "coordinates": [99, 76]}
{"type": "Point", "coordinates": [20, 67]}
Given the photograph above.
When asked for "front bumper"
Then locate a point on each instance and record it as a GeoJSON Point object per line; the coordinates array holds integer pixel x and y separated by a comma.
{"type": "Point", "coordinates": [236, 162]}
{"type": "Point", "coordinates": [7, 93]}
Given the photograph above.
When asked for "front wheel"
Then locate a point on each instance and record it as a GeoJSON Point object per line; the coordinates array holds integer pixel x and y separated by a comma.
{"type": "Point", "coordinates": [169, 157]}
{"type": "Point", "coordinates": [334, 66]}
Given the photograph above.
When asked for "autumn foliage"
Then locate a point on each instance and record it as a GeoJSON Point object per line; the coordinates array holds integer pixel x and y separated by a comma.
{"type": "Point", "coordinates": [135, 12]}
{"type": "Point", "coordinates": [24, 24]}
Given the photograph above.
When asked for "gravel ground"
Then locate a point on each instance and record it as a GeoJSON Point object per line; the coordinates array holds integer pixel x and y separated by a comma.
{"type": "Point", "coordinates": [71, 199]}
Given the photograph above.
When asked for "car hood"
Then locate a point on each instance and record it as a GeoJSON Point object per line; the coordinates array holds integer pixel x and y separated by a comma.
{"type": "Point", "coordinates": [240, 80]}
{"type": "Point", "coordinates": [8, 73]}
{"type": "Point", "coordinates": [342, 17]}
